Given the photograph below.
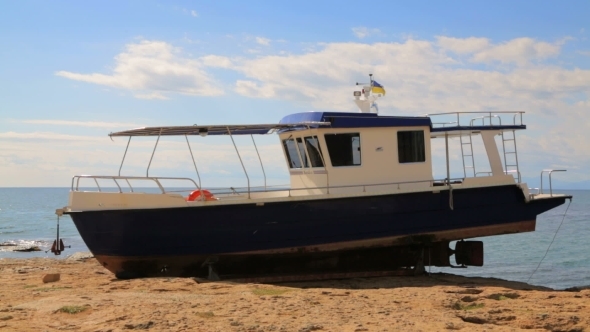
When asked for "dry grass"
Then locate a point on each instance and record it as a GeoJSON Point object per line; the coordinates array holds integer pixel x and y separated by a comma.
{"type": "Point", "coordinates": [270, 291]}
{"type": "Point", "coordinates": [73, 309]}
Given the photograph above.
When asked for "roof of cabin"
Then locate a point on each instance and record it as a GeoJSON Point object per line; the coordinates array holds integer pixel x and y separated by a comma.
{"type": "Point", "coordinates": [357, 120]}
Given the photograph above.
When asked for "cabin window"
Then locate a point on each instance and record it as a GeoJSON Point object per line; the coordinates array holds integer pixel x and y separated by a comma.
{"type": "Point", "coordinates": [314, 151]}
{"type": "Point", "coordinates": [344, 149]}
{"type": "Point", "coordinates": [410, 146]}
{"type": "Point", "coordinates": [291, 152]}
{"type": "Point", "coordinates": [302, 153]}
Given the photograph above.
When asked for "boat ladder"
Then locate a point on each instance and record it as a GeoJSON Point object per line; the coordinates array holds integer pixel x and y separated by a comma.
{"type": "Point", "coordinates": [510, 154]}
{"type": "Point", "coordinates": [467, 152]}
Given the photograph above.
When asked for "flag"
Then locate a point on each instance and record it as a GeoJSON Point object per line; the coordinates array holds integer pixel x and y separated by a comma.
{"type": "Point", "coordinates": [377, 88]}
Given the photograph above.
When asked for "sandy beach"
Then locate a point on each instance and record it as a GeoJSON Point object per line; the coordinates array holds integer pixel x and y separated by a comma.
{"type": "Point", "coordinates": [88, 298]}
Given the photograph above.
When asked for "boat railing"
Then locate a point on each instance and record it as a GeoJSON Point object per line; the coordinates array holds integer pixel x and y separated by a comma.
{"type": "Point", "coordinates": [472, 119]}
{"type": "Point", "coordinates": [490, 173]}
{"type": "Point", "coordinates": [127, 179]}
{"type": "Point", "coordinates": [549, 172]}
{"type": "Point", "coordinates": [364, 187]}
{"type": "Point", "coordinates": [236, 191]}
{"type": "Point", "coordinates": [444, 124]}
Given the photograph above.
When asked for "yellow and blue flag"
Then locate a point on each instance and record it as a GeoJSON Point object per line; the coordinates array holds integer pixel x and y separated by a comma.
{"type": "Point", "coordinates": [377, 88]}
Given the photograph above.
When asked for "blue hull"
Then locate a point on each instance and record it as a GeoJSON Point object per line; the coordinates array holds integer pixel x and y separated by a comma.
{"type": "Point", "coordinates": [178, 240]}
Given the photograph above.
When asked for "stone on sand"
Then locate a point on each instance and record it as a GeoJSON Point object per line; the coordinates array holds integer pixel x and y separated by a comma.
{"type": "Point", "coordinates": [51, 277]}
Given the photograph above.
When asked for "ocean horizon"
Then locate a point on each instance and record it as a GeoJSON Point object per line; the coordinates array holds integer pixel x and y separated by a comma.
{"type": "Point", "coordinates": [27, 217]}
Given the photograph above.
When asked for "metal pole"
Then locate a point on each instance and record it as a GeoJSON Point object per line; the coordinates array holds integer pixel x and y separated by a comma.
{"type": "Point", "coordinates": [241, 162]}
{"type": "Point", "coordinates": [194, 163]}
{"type": "Point", "coordinates": [323, 160]}
{"type": "Point", "coordinates": [124, 155]}
{"type": "Point", "coordinates": [129, 183]}
{"type": "Point", "coordinates": [259, 159]}
{"type": "Point", "coordinates": [447, 155]}
{"type": "Point", "coordinates": [325, 166]}
{"type": "Point", "coordinates": [299, 154]}
{"type": "Point", "coordinates": [147, 172]}
{"type": "Point", "coordinates": [448, 171]}
{"type": "Point", "coordinates": [117, 183]}
{"type": "Point", "coordinates": [98, 185]}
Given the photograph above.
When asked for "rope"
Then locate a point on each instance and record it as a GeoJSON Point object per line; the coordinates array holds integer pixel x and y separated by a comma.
{"type": "Point", "coordinates": [550, 244]}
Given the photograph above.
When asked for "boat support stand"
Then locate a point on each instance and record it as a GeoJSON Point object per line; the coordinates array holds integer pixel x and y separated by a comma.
{"type": "Point", "coordinates": [210, 262]}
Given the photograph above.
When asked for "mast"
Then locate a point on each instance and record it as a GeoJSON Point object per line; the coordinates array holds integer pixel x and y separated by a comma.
{"type": "Point", "coordinates": [366, 98]}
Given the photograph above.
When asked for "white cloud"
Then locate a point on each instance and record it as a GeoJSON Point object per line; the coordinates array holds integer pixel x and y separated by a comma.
{"type": "Point", "coordinates": [151, 96]}
{"type": "Point", "coordinates": [217, 61]}
{"type": "Point", "coordinates": [153, 70]}
{"type": "Point", "coordinates": [194, 13]}
{"type": "Point", "coordinates": [519, 50]}
{"type": "Point", "coordinates": [252, 89]}
{"type": "Point", "coordinates": [94, 124]}
{"type": "Point", "coordinates": [263, 41]}
{"type": "Point", "coordinates": [362, 32]}
{"type": "Point", "coordinates": [49, 136]}
{"type": "Point", "coordinates": [419, 75]}
{"type": "Point", "coordinates": [463, 45]}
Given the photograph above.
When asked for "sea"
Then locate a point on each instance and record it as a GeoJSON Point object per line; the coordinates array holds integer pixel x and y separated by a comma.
{"type": "Point", "coordinates": [556, 255]}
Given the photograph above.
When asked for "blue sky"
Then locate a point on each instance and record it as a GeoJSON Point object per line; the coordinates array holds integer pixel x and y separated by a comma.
{"type": "Point", "coordinates": [73, 71]}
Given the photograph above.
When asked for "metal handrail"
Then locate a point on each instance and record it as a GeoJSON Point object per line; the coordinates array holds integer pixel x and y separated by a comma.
{"type": "Point", "coordinates": [550, 171]}
{"type": "Point", "coordinates": [76, 180]}
{"type": "Point", "coordinates": [483, 120]}
{"type": "Point", "coordinates": [517, 174]}
{"type": "Point", "coordinates": [240, 157]}
{"type": "Point", "coordinates": [489, 115]}
{"type": "Point", "coordinates": [234, 191]}
{"type": "Point", "coordinates": [489, 173]}
{"type": "Point", "coordinates": [444, 123]}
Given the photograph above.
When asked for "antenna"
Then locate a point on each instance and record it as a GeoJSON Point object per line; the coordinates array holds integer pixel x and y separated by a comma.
{"type": "Point", "coordinates": [370, 81]}
{"type": "Point", "coordinates": [368, 102]}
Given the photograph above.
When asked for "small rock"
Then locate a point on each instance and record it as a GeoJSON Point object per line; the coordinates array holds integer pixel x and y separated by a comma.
{"type": "Point", "coordinates": [80, 256]}
{"type": "Point", "coordinates": [473, 319]}
{"type": "Point", "coordinates": [51, 277]}
{"type": "Point", "coordinates": [311, 327]}
{"type": "Point", "coordinates": [27, 249]}
{"type": "Point", "coordinates": [141, 326]}
{"type": "Point", "coordinates": [469, 298]}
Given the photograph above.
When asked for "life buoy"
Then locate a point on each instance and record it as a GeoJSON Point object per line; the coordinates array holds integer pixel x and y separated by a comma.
{"type": "Point", "coordinates": [196, 196]}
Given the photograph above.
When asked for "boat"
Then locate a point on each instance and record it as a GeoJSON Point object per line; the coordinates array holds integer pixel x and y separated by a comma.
{"type": "Point", "coordinates": [362, 198]}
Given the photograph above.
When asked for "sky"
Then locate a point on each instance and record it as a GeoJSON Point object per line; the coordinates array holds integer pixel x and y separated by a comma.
{"type": "Point", "coordinates": [73, 71]}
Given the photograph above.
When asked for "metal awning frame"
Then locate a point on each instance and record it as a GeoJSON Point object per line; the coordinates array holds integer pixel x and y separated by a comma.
{"type": "Point", "coordinates": [229, 130]}
{"type": "Point", "coordinates": [252, 129]}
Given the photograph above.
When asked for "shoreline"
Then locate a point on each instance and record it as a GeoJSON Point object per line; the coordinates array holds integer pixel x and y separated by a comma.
{"type": "Point", "coordinates": [427, 303]}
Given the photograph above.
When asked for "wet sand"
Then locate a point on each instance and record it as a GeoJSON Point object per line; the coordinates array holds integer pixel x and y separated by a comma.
{"type": "Point", "coordinates": [88, 298]}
